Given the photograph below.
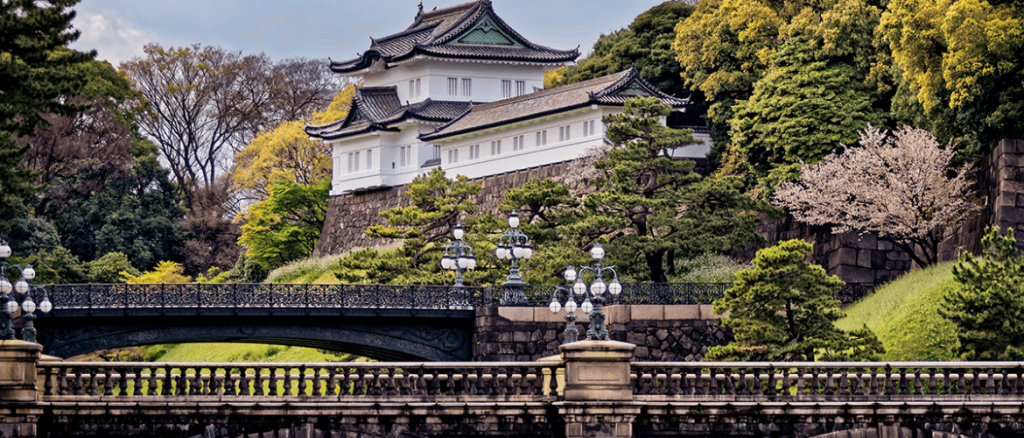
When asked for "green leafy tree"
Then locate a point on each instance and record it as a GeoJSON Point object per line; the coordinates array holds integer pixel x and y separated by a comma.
{"type": "Point", "coordinates": [959, 68]}
{"type": "Point", "coordinates": [783, 309]}
{"type": "Point", "coordinates": [35, 79]}
{"type": "Point", "coordinates": [801, 111]}
{"type": "Point", "coordinates": [988, 307]}
{"type": "Point", "coordinates": [653, 208]}
{"type": "Point", "coordinates": [56, 266]}
{"type": "Point", "coordinates": [164, 272]}
{"type": "Point", "coordinates": [28, 235]}
{"type": "Point", "coordinates": [287, 224]}
{"type": "Point", "coordinates": [438, 203]}
{"type": "Point", "coordinates": [110, 268]}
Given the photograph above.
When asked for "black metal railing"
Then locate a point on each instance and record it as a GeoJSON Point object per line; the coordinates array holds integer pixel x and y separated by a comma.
{"type": "Point", "coordinates": [367, 296]}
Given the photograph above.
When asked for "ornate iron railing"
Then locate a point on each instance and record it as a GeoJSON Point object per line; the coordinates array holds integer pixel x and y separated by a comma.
{"type": "Point", "coordinates": [495, 381]}
{"type": "Point", "coordinates": [827, 380]}
{"type": "Point", "coordinates": [262, 295]}
{"type": "Point", "coordinates": [370, 296]}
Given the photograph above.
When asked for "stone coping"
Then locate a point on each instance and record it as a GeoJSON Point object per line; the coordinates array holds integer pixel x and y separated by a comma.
{"type": "Point", "coordinates": [616, 314]}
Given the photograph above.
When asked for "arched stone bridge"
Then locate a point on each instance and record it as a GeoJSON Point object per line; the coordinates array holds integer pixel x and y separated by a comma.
{"type": "Point", "coordinates": [382, 322]}
{"type": "Point", "coordinates": [593, 391]}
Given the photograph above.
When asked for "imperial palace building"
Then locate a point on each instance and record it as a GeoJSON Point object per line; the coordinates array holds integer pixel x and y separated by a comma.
{"type": "Point", "coordinates": [461, 90]}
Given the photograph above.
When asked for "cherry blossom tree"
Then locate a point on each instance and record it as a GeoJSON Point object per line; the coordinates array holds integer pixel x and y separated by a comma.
{"type": "Point", "coordinates": [900, 187]}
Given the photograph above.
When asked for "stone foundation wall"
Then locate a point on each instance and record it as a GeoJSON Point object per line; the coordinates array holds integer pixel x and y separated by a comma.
{"type": "Point", "coordinates": [661, 333]}
{"type": "Point", "coordinates": [348, 216]}
{"type": "Point", "coordinates": [869, 259]}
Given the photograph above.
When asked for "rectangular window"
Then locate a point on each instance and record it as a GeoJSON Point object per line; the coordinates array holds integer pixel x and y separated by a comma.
{"type": "Point", "coordinates": [401, 158]}
{"type": "Point", "coordinates": [449, 157]}
{"type": "Point", "coordinates": [437, 152]}
{"type": "Point", "coordinates": [467, 88]}
{"type": "Point", "coordinates": [456, 155]}
{"type": "Point", "coordinates": [542, 138]}
{"type": "Point", "coordinates": [349, 163]}
{"type": "Point", "coordinates": [356, 161]}
{"type": "Point", "coordinates": [408, 155]}
{"type": "Point", "coordinates": [411, 87]}
{"type": "Point", "coordinates": [592, 132]}
{"type": "Point", "coordinates": [417, 87]}
{"type": "Point", "coordinates": [586, 128]}
{"type": "Point", "coordinates": [515, 144]}
{"type": "Point", "coordinates": [336, 172]}
{"type": "Point", "coordinates": [369, 159]}
{"type": "Point", "coordinates": [561, 133]}
{"type": "Point", "coordinates": [506, 89]}
{"type": "Point", "coordinates": [496, 147]}
{"type": "Point", "coordinates": [566, 133]}
{"type": "Point", "coordinates": [518, 143]}
{"type": "Point", "coordinates": [474, 152]}
{"type": "Point", "coordinates": [453, 86]}
{"type": "Point", "coordinates": [520, 88]}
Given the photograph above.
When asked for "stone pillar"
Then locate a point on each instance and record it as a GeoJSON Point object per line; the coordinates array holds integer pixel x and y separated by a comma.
{"type": "Point", "coordinates": [598, 397]}
{"type": "Point", "coordinates": [19, 409]}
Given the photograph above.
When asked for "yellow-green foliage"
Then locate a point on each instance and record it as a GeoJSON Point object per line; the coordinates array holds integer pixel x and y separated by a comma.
{"type": "Point", "coordinates": [305, 270]}
{"type": "Point", "coordinates": [221, 352]}
{"type": "Point", "coordinates": [904, 315]}
{"type": "Point", "coordinates": [165, 272]}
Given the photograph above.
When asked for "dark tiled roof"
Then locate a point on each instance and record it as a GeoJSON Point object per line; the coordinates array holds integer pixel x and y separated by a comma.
{"type": "Point", "coordinates": [613, 89]}
{"type": "Point", "coordinates": [433, 33]}
{"type": "Point", "coordinates": [376, 108]}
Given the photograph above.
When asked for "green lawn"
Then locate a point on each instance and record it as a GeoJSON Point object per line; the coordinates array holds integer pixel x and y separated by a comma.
{"type": "Point", "coordinates": [223, 352]}
{"type": "Point", "coordinates": [904, 315]}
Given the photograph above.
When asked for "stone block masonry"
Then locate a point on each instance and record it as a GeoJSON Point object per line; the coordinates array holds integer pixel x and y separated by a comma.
{"type": "Point", "coordinates": [660, 332]}
{"type": "Point", "coordinates": [349, 215]}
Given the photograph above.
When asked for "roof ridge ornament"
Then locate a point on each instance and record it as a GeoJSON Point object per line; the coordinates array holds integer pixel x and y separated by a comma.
{"type": "Point", "coordinates": [420, 11]}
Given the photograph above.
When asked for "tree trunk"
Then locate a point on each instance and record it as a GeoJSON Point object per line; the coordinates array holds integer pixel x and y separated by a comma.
{"type": "Point", "coordinates": [656, 266]}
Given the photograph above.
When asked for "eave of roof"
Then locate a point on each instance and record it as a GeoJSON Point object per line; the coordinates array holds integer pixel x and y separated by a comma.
{"type": "Point", "coordinates": [598, 91]}
{"type": "Point", "coordinates": [431, 32]}
{"type": "Point", "coordinates": [378, 109]}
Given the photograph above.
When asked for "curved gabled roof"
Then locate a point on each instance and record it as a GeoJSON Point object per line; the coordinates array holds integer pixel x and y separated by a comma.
{"type": "Point", "coordinates": [613, 89]}
{"type": "Point", "coordinates": [378, 109]}
{"type": "Point", "coordinates": [467, 31]}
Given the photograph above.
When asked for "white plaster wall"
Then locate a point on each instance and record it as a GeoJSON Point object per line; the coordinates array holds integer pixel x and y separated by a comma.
{"type": "Point", "coordinates": [695, 150]}
{"type": "Point", "coordinates": [387, 168]}
{"type": "Point", "coordinates": [486, 79]}
{"type": "Point", "coordinates": [532, 154]}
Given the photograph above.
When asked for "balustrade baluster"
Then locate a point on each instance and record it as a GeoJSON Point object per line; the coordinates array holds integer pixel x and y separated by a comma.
{"type": "Point", "coordinates": [272, 386]}
{"type": "Point", "coordinates": [376, 388]}
{"type": "Point", "coordinates": [676, 378]}
{"type": "Point", "coordinates": [815, 381]}
{"type": "Point", "coordinates": [347, 385]}
{"type": "Point", "coordinates": [959, 386]}
{"type": "Point", "coordinates": [449, 381]}
{"type": "Point", "coordinates": [859, 388]}
{"type": "Point", "coordinates": [844, 381]}
{"type": "Point", "coordinates": [108, 381]}
{"type": "Point", "coordinates": [94, 388]}
{"type": "Point", "coordinates": [887, 383]}
{"type": "Point", "coordinates": [1019, 383]}
{"type": "Point", "coordinates": [990, 384]}
{"type": "Point", "coordinates": [167, 388]}
{"type": "Point", "coordinates": [258, 383]}
{"type": "Point", "coordinates": [976, 387]}
{"type": "Point", "coordinates": [500, 379]}
{"type": "Point", "coordinates": [918, 387]}
{"type": "Point", "coordinates": [332, 383]}
{"type": "Point", "coordinates": [360, 380]}
{"type": "Point", "coordinates": [830, 383]}
{"type": "Point", "coordinates": [758, 388]}
{"type": "Point", "coordinates": [420, 388]}
{"type": "Point", "coordinates": [317, 384]}
{"type": "Point", "coordinates": [222, 380]}
{"type": "Point", "coordinates": [903, 386]}
{"type": "Point", "coordinates": [933, 381]}
{"type": "Point", "coordinates": [787, 384]}
{"type": "Point", "coordinates": [63, 387]}
{"type": "Point", "coordinates": [800, 382]}
{"type": "Point", "coordinates": [302, 380]}
{"type": "Point", "coordinates": [434, 386]}
{"type": "Point", "coordinates": [288, 376]}
{"type": "Point", "coordinates": [206, 381]}
{"type": "Point", "coordinates": [553, 383]}
{"type": "Point", "coordinates": [772, 383]}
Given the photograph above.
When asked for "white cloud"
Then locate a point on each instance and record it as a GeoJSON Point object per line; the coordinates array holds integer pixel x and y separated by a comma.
{"type": "Point", "coordinates": [114, 39]}
{"type": "Point", "coordinates": [302, 28]}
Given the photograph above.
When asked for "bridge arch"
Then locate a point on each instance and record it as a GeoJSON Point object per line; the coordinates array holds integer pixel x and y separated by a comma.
{"type": "Point", "coordinates": [389, 338]}
{"type": "Point", "coordinates": [893, 431]}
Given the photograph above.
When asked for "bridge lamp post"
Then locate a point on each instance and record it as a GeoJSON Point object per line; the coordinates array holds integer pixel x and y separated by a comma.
{"type": "Point", "coordinates": [11, 305]}
{"type": "Point", "coordinates": [594, 296]}
{"type": "Point", "coordinates": [514, 245]}
{"type": "Point", "coordinates": [570, 334]}
{"type": "Point", "coordinates": [458, 255]}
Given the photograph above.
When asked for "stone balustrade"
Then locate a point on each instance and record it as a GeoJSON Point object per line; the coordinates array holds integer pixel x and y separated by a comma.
{"type": "Point", "coordinates": [827, 381]}
{"type": "Point", "coordinates": [330, 382]}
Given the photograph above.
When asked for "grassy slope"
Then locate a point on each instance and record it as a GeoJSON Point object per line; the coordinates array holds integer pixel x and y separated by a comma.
{"type": "Point", "coordinates": [904, 315]}
{"type": "Point", "coordinates": [221, 352]}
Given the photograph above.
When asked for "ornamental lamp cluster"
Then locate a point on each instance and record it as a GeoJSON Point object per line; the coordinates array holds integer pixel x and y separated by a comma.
{"type": "Point", "coordinates": [458, 255]}
{"type": "Point", "coordinates": [593, 297]}
{"type": "Point", "coordinates": [514, 245]}
{"type": "Point", "coordinates": [22, 287]}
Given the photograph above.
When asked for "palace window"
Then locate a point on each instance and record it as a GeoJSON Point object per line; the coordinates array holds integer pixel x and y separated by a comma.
{"type": "Point", "coordinates": [563, 133]}
{"type": "Point", "coordinates": [518, 143]}
{"type": "Point", "coordinates": [453, 156]}
{"type": "Point", "coordinates": [369, 159]}
{"type": "Point", "coordinates": [356, 162]}
{"type": "Point", "coordinates": [412, 88]}
{"type": "Point", "coordinates": [350, 163]}
{"type": "Point", "coordinates": [466, 86]}
{"type": "Point", "coordinates": [542, 138]}
{"type": "Point", "coordinates": [453, 86]}
{"type": "Point", "coordinates": [506, 88]}
{"type": "Point", "coordinates": [474, 152]}
{"type": "Point", "coordinates": [417, 87]}
{"type": "Point", "coordinates": [520, 88]}
{"type": "Point", "coordinates": [496, 147]}
{"type": "Point", "coordinates": [408, 155]}
{"type": "Point", "coordinates": [336, 171]}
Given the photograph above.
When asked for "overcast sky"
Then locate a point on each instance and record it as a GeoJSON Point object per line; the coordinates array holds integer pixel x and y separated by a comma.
{"type": "Point", "coordinates": [118, 29]}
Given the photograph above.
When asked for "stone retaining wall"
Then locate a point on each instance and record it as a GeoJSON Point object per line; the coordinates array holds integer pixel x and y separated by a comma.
{"type": "Point", "coordinates": [660, 332]}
